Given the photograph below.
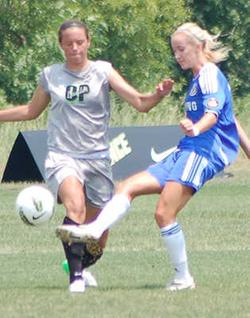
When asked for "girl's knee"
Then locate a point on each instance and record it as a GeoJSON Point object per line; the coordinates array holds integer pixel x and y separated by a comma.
{"type": "Point", "coordinates": [126, 188]}
{"type": "Point", "coordinates": [164, 217]}
{"type": "Point", "coordinates": [75, 211]}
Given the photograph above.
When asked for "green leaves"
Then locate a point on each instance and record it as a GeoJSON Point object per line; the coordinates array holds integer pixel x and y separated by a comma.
{"type": "Point", "coordinates": [232, 20]}
{"type": "Point", "coordinates": [132, 34]}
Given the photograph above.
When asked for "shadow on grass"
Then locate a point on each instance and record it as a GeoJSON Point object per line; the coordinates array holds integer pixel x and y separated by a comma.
{"type": "Point", "coordinates": [99, 288]}
{"type": "Point", "coordinates": [131, 287]}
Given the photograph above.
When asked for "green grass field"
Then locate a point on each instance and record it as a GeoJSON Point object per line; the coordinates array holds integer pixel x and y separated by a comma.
{"type": "Point", "coordinates": [134, 269]}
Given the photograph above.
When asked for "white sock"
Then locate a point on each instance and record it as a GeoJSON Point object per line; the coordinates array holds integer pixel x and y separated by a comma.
{"type": "Point", "coordinates": [175, 244]}
{"type": "Point", "coordinates": [113, 211]}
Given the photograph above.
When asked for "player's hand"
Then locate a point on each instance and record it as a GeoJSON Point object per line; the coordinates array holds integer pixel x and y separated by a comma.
{"type": "Point", "coordinates": [164, 87]}
{"type": "Point", "coordinates": [188, 127]}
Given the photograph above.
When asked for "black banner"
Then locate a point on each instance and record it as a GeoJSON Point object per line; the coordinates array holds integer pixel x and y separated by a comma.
{"type": "Point", "coordinates": [132, 149]}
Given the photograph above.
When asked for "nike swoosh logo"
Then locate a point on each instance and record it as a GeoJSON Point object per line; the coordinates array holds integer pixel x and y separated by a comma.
{"type": "Point", "coordinates": [37, 217]}
{"type": "Point", "coordinates": [157, 157]}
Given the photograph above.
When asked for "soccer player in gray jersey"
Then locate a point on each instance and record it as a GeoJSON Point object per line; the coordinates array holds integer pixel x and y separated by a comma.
{"type": "Point", "coordinates": [77, 166]}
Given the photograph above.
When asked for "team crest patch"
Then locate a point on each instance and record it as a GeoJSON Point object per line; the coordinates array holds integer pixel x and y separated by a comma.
{"type": "Point", "coordinates": [212, 103]}
{"type": "Point", "coordinates": [193, 90]}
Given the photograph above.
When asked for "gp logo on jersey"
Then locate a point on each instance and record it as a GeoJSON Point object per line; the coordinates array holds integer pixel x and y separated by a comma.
{"type": "Point", "coordinates": [193, 90]}
{"type": "Point", "coordinates": [212, 103]}
{"type": "Point", "coordinates": [76, 93]}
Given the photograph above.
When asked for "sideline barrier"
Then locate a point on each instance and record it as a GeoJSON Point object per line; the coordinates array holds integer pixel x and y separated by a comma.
{"type": "Point", "coordinates": [132, 149]}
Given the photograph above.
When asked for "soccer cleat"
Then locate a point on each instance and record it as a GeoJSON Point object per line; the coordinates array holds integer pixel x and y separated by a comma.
{"type": "Point", "coordinates": [64, 232]}
{"type": "Point", "coordinates": [77, 286]}
{"type": "Point", "coordinates": [78, 234]}
{"type": "Point", "coordinates": [89, 279]}
{"type": "Point", "coordinates": [179, 284]}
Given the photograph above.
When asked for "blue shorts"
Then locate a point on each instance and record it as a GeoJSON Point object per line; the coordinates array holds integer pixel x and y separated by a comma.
{"type": "Point", "coordinates": [186, 167]}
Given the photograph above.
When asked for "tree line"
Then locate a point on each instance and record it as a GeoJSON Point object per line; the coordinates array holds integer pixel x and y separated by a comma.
{"type": "Point", "coordinates": [132, 34]}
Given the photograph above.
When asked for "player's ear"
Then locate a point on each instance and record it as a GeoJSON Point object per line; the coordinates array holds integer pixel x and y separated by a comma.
{"type": "Point", "coordinates": [60, 45]}
{"type": "Point", "coordinates": [200, 46]}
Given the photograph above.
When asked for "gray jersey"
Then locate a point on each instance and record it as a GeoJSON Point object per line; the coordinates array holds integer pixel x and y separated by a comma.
{"type": "Point", "coordinates": [80, 109]}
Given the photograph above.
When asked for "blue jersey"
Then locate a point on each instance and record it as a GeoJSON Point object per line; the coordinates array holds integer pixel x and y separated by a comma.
{"type": "Point", "coordinates": [210, 92]}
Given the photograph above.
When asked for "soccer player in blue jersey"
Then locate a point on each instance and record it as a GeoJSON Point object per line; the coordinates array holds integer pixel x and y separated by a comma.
{"type": "Point", "coordinates": [78, 165]}
{"type": "Point", "coordinates": [210, 143]}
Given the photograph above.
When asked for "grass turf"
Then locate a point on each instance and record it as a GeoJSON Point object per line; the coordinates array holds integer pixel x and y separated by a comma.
{"type": "Point", "coordinates": [134, 269]}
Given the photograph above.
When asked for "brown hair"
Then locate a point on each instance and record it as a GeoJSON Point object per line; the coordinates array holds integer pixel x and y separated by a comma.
{"type": "Point", "coordinates": [72, 24]}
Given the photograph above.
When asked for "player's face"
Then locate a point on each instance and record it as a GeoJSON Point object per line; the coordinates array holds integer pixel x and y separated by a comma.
{"type": "Point", "coordinates": [75, 44]}
{"type": "Point", "coordinates": [187, 51]}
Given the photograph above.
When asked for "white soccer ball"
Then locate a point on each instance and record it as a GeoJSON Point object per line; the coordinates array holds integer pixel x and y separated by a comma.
{"type": "Point", "coordinates": [35, 205]}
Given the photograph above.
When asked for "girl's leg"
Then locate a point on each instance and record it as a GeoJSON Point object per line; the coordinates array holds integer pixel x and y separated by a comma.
{"type": "Point", "coordinates": [72, 196]}
{"type": "Point", "coordinates": [173, 198]}
{"type": "Point", "coordinates": [115, 209]}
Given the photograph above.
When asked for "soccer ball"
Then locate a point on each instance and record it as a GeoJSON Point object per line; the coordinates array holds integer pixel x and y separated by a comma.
{"type": "Point", "coordinates": [35, 205]}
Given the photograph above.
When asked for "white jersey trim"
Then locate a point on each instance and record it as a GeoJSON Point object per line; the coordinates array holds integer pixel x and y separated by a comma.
{"type": "Point", "coordinates": [194, 167]}
{"type": "Point", "coordinates": [208, 79]}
